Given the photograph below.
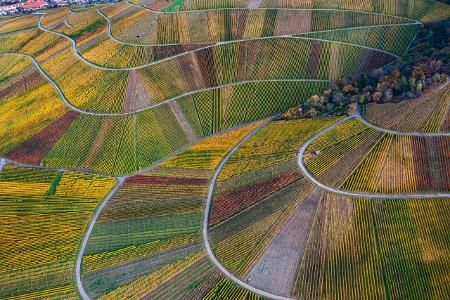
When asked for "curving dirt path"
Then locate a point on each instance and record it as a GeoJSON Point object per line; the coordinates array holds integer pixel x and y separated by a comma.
{"type": "Point", "coordinates": [305, 170]}
{"type": "Point", "coordinates": [81, 111]}
{"type": "Point", "coordinates": [411, 133]}
{"type": "Point", "coordinates": [291, 36]}
{"type": "Point", "coordinates": [210, 252]}
{"type": "Point", "coordinates": [2, 164]}
{"type": "Point", "coordinates": [67, 23]}
{"type": "Point", "coordinates": [310, 177]}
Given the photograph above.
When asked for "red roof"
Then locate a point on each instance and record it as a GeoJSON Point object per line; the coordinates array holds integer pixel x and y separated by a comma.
{"type": "Point", "coordinates": [8, 7]}
{"type": "Point", "coordinates": [35, 4]}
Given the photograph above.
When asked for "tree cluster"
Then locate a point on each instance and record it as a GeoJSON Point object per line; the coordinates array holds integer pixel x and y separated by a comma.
{"type": "Point", "coordinates": [426, 64]}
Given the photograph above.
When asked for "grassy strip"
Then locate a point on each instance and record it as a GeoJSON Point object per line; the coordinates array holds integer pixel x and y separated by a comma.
{"type": "Point", "coordinates": [175, 6]}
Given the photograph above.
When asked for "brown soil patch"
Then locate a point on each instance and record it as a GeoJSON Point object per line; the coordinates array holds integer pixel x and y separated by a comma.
{"type": "Point", "coordinates": [36, 148]}
{"type": "Point", "coordinates": [141, 179]}
{"type": "Point", "coordinates": [136, 96]}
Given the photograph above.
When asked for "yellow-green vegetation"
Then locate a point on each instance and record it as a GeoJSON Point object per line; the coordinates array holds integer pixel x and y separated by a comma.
{"type": "Point", "coordinates": [148, 240]}
{"type": "Point", "coordinates": [44, 215]}
{"type": "Point", "coordinates": [356, 157]}
{"type": "Point", "coordinates": [183, 101]}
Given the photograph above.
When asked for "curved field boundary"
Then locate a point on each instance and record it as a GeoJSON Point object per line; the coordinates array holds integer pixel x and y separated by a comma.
{"type": "Point", "coordinates": [210, 252]}
{"type": "Point", "coordinates": [304, 169]}
{"type": "Point", "coordinates": [265, 8]}
{"type": "Point", "coordinates": [111, 35]}
{"type": "Point", "coordinates": [2, 164]}
{"type": "Point", "coordinates": [81, 58]}
{"type": "Point", "coordinates": [411, 133]}
{"type": "Point", "coordinates": [67, 23]}
{"type": "Point", "coordinates": [81, 111]}
{"type": "Point", "coordinates": [87, 234]}
{"type": "Point", "coordinates": [310, 177]}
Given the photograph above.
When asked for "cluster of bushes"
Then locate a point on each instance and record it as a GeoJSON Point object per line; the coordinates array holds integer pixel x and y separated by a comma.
{"type": "Point", "coordinates": [426, 64]}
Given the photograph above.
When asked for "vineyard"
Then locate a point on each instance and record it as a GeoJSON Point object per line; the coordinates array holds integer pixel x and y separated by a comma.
{"type": "Point", "coordinates": [78, 141]}
{"type": "Point", "coordinates": [429, 113]}
{"type": "Point", "coordinates": [150, 232]}
{"type": "Point", "coordinates": [216, 88]}
{"type": "Point", "coordinates": [43, 217]}
{"type": "Point", "coordinates": [32, 106]}
{"type": "Point", "coordinates": [108, 91]}
{"type": "Point", "coordinates": [255, 195]}
{"type": "Point", "coordinates": [203, 79]}
{"type": "Point", "coordinates": [273, 229]}
{"type": "Point", "coordinates": [357, 157]}
{"type": "Point", "coordinates": [13, 25]}
{"type": "Point", "coordinates": [226, 25]}
{"type": "Point", "coordinates": [365, 248]}
{"type": "Point", "coordinates": [174, 149]}
{"type": "Point", "coordinates": [409, 9]}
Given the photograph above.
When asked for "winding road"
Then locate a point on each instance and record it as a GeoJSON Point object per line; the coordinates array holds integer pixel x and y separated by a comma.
{"type": "Point", "coordinates": [81, 111]}
{"type": "Point", "coordinates": [81, 58]}
{"type": "Point", "coordinates": [206, 243]}
{"type": "Point", "coordinates": [305, 170]}
{"type": "Point", "coordinates": [121, 180]}
{"type": "Point", "coordinates": [410, 133]}
{"type": "Point", "coordinates": [310, 177]}
{"type": "Point", "coordinates": [289, 36]}
{"type": "Point", "coordinates": [87, 234]}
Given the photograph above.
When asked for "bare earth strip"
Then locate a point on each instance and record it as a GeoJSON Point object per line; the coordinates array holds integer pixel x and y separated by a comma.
{"type": "Point", "coordinates": [157, 5]}
{"type": "Point", "coordinates": [282, 257]}
{"type": "Point", "coordinates": [288, 22]}
{"type": "Point", "coordinates": [136, 96]}
{"type": "Point", "coordinates": [183, 121]}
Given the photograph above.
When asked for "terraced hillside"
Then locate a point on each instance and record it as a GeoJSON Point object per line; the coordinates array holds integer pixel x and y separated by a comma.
{"type": "Point", "coordinates": [429, 113]}
{"type": "Point", "coordinates": [147, 242]}
{"type": "Point", "coordinates": [202, 81]}
{"type": "Point", "coordinates": [142, 154]}
{"type": "Point", "coordinates": [43, 218]}
{"type": "Point", "coordinates": [302, 233]}
{"type": "Point", "coordinates": [358, 157]}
